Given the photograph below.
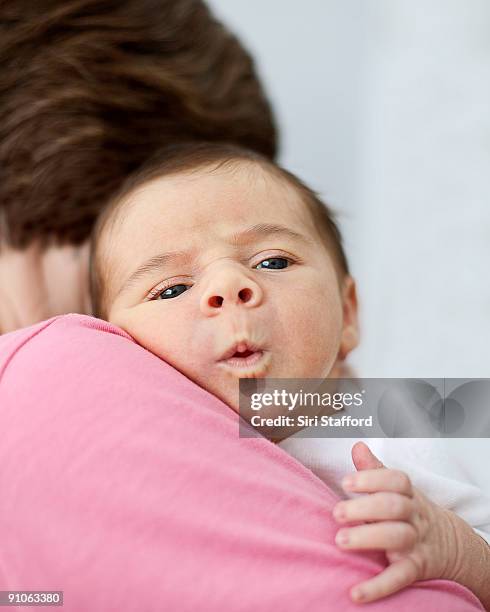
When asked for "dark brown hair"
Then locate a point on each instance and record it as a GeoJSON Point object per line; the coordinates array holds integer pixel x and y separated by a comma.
{"type": "Point", "coordinates": [189, 157]}
{"type": "Point", "coordinates": [89, 89]}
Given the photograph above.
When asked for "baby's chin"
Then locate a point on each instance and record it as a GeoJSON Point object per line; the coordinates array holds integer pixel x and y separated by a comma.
{"type": "Point", "coordinates": [228, 394]}
{"type": "Point", "coordinates": [224, 381]}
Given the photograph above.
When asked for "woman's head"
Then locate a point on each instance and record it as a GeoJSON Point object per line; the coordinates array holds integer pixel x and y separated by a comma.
{"type": "Point", "coordinates": [90, 89]}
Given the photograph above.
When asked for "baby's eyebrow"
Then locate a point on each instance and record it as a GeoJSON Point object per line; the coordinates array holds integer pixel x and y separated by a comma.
{"type": "Point", "coordinates": [260, 230]}
{"type": "Point", "coordinates": [157, 262]}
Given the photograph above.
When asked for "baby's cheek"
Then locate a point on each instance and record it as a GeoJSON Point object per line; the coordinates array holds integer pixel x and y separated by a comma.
{"type": "Point", "coordinates": [162, 335]}
{"type": "Point", "coordinates": [317, 329]}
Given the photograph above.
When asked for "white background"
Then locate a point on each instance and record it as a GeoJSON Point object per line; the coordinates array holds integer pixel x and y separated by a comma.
{"type": "Point", "coordinates": [384, 108]}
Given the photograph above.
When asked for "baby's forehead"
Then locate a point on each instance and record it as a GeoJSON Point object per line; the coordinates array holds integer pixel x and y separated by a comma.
{"type": "Point", "coordinates": [239, 187]}
{"type": "Point", "coordinates": [197, 203]}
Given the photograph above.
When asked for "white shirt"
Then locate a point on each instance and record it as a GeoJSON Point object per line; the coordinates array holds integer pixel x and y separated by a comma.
{"type": "Point", "coordinates": [429, 462]}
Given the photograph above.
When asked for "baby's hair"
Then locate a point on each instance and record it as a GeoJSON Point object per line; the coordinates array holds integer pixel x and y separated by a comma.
{"type": "Point", "coordinates": [89, 90]}
{"type": "Point", "coordinates": [186, 158]}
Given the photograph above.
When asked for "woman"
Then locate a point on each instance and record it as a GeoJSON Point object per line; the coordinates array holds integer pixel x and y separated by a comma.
{"type": "Point", "coordinates": [89, 90]}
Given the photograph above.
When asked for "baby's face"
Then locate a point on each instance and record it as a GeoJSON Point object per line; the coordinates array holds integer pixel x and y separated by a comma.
{"type": "Point", "coordinates": [223, 275]}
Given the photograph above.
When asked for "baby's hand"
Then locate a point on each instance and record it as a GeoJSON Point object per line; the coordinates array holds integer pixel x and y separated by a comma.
{"type": "Point", "coordinates": [415, 533]}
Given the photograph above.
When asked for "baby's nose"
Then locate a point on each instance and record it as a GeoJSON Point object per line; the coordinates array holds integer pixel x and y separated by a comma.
{"type": "Point", "coordinates": [228, 287]}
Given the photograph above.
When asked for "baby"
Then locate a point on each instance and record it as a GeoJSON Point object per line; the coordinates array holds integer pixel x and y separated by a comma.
{"type": "Point", "coordinates": [251, 268]}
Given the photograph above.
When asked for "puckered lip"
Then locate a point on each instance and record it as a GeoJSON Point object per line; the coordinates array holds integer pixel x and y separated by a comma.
{"type": "Point", "coordinates": [241, 346]}
{"type": "Point", "coordinates": [245, 359]}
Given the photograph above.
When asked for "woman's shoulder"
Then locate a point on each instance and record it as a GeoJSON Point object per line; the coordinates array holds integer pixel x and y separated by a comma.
{"type": "Point", "coordinates": [48, 337]}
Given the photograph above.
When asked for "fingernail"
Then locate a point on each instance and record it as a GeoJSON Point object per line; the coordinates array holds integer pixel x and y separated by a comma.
{"type": "Point", "coordinates": [348, 482]}
{"type": "Point", "coordinates": [342, 537]}
{"type": "Point", "coordinates": [339, 512]}
{"type": "Point", "coordinates": [357, 595]}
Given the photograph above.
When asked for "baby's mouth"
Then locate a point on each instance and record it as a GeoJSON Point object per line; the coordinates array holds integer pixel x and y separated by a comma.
{"type": "Point", "coordinates": [244, 360]}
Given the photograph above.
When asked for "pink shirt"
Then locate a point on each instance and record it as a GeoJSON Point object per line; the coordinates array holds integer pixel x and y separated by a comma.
{"type": "Point", "coordinates": [126, 486]}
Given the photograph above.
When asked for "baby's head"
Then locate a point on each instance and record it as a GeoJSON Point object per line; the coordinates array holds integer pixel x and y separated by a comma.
{"type": "Point", "coordinates": [226, 266]}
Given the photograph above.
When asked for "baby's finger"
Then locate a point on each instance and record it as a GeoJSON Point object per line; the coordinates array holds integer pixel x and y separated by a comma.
{"type": "Point", "coordinates": [395, 577]}
{"type": "Point", "coordinates": [383, 479]}
{"type": "Point", "coordinates": [374, 507]}
{"type": "Point", "coordinates": [387, 535]}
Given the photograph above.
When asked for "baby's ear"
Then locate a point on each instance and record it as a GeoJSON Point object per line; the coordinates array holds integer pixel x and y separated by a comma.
{"type": "Point", "coordinates": [350, 325]}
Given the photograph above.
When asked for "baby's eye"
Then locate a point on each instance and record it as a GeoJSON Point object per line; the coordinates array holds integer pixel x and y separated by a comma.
{"type": "Point", "coordinates": [274, 263]}
{"type": "Point", "coordinates": [169, 292]}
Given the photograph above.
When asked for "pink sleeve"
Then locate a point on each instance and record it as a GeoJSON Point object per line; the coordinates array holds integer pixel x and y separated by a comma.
{"type": "Point", "coordinates": [126, 486]}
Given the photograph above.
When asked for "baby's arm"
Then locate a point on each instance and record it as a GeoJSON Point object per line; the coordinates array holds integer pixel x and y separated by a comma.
{"type": "Point", "coordinates": [422, 540]}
